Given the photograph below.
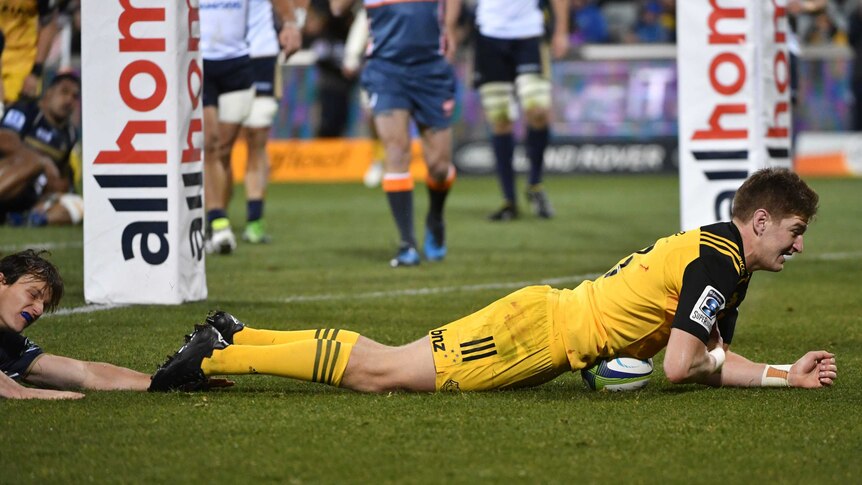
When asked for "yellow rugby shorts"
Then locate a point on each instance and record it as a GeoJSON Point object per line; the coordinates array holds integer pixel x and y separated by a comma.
{"type": "Point", "coordinates": [512, 342]}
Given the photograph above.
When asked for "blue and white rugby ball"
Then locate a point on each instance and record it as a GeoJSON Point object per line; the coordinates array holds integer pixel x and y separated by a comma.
{"type": "Point", "coordinates": [619, 374]}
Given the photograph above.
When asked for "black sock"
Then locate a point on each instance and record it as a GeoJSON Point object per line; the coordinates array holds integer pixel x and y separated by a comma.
{"type": "Point", "coordinates": [504, 149]}
{"type": "Point", "coordinates": [537, 141]}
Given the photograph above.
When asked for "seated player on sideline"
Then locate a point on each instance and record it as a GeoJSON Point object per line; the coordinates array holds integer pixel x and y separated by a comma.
{"type": "Point", "coordinates": [36, 139]}
{"type": "Point", "coordinates": [681, 293]}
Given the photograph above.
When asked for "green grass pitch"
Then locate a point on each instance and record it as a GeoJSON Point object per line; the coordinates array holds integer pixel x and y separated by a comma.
{"type": "Point", "coordinates": [328, 267]}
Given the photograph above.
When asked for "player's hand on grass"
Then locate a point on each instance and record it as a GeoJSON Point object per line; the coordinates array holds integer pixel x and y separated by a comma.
{"type": "Point", "coordinates": [815, 369]}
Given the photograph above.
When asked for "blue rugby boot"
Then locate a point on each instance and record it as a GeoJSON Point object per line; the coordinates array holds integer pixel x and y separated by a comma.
{"type": "Point", "coordinates": [406, 256]}
{"type": "Point", "coordinates": [435, 243]}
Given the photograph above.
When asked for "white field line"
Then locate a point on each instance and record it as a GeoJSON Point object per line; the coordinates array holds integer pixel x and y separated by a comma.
{"type": "Point", "coordinates": [437, 290]}
{"type": "Point", "coordinates": [12, 248]}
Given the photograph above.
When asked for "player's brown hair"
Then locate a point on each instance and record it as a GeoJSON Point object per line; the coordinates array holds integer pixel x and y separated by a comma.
{"type": "Point", "coordinates": [32, 263]}
{"type": "Point", "coordinates": [778, 190]}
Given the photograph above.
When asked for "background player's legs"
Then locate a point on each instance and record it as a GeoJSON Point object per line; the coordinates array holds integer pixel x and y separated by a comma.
{"type": "Point", "coordinates": [437, 149]}
{"type": "Point", "coordinates": [393, 128]}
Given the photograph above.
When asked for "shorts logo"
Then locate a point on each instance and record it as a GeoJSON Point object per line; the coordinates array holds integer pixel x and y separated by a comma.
{"type": "Point", "coordinates": [451, 386]}
{"type": "Point", "coordinates": [448, 107]}
{"type": "Point", "coordinates": [708, 305]}
{"type": "Point", "coordinates": [437, 340]}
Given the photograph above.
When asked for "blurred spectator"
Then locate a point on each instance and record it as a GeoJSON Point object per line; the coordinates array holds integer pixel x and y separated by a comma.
{"type": "Point", "coordinates": [588, 24]}
{"type": "Point", "coordinates": [649, 29]}
{"type": "Point", "coordinates": [668, 18]}
{"type": "Point", "coordinates": [326, 36]}
{"type": "Point", "coordinates": [823, 31]}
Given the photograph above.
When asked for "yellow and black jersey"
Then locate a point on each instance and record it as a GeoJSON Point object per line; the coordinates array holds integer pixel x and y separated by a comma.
{"type": "Point", "coordinates": [20, 21]}
{"type": "Point", "coordinates": [691, 281]}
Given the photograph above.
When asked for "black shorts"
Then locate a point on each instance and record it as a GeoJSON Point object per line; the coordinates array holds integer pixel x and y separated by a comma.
{"type": "Point", "coordinates": [226, 76]}
{"type": "Point", "coordinates": [263, 74]}
{"type": "Point", "coordinates": [502, 60]}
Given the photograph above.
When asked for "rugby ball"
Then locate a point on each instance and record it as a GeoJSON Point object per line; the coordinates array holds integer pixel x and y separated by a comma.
{"type": "Point", "coordinates": [619, 374]}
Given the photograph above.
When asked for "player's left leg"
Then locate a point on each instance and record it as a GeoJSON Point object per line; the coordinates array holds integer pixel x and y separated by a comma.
{"type": "Point", "coordinates": [433, 98]}
{"type": "Point", "coordinates": [257, 127]}
{"type": "Point", "coordinates": [533, 88]}
{"type": "Point", "coordinates": [437, 149]}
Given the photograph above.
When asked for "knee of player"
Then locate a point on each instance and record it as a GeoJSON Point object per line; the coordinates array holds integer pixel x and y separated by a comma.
{"type": "Point", "coordinates": [537, 117]}
{"type": "Point", "coordinates": [211, 141]}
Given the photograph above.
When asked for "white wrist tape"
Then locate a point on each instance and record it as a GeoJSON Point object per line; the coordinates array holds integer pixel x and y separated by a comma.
{"type": "Point", "coordinates": [775, 376]}
{"type": "Point", "coordinates": [719, 356]}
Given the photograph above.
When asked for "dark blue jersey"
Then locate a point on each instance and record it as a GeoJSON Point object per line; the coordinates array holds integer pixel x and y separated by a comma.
{"type": "Point", "coordinates": [405, 31]}
{"type": "Point", "coordinates": [17, 353]}
{"type": "Point", "coordinates": [56, 142]}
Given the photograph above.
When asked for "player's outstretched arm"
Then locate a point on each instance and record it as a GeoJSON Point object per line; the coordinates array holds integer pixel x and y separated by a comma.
{"type": "Point", "coordinates": [65, 373]}
{"type": "Point", "coordinates": [814, 370]}
{"type": "Point", "coordinates": [9, 389]}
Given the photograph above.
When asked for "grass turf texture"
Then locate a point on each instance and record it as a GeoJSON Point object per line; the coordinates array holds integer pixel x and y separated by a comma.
{"type": "Point", "coordinates": [328, 267]}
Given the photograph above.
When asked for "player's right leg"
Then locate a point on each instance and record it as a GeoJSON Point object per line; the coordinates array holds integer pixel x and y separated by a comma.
{"type": "Point", "coordinates": [390, 104]}
{"type": "Point", "coordinates": [228, 94]}
{"type": "Point", "coordinates": [393, 128]}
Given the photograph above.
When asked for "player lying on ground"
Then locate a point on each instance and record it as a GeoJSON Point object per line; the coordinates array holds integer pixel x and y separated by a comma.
{"type": "Point", "coordinates": [29, 286]}
{"type": "Point", "coordinates": [681, 293]}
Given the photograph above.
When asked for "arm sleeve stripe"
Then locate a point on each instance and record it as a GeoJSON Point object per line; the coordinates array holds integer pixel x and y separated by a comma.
{"type": "Point", "coordinates": [726, 244]}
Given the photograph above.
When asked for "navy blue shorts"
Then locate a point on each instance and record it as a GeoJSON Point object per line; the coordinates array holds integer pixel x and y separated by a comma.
{"type": "Point", "coordinates": [263, 74]}
{"type": "Point", "coordinates": [502, 60]}
{"type": "Point", "coordinates": [426, 90]}
{"type": "Point", "coordinates": [226, 76]}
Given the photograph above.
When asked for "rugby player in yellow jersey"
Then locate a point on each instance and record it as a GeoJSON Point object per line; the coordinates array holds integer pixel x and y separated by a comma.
{"type": "Point", "coordinates": [681, 293]}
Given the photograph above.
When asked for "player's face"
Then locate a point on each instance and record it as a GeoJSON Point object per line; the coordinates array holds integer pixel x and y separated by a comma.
{"type": "Point", "coordinates": [21, 303]}
{"type": "Point", "coordinates": [62, 100]}
{"type": "Point", "coordinates": [781, 238]}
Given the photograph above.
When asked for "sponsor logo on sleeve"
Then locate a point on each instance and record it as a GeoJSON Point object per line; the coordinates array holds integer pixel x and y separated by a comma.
{"type": "Point", "coordinates": [708, 305]}
{"type": "Point", "coordinates": [14, 119]}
